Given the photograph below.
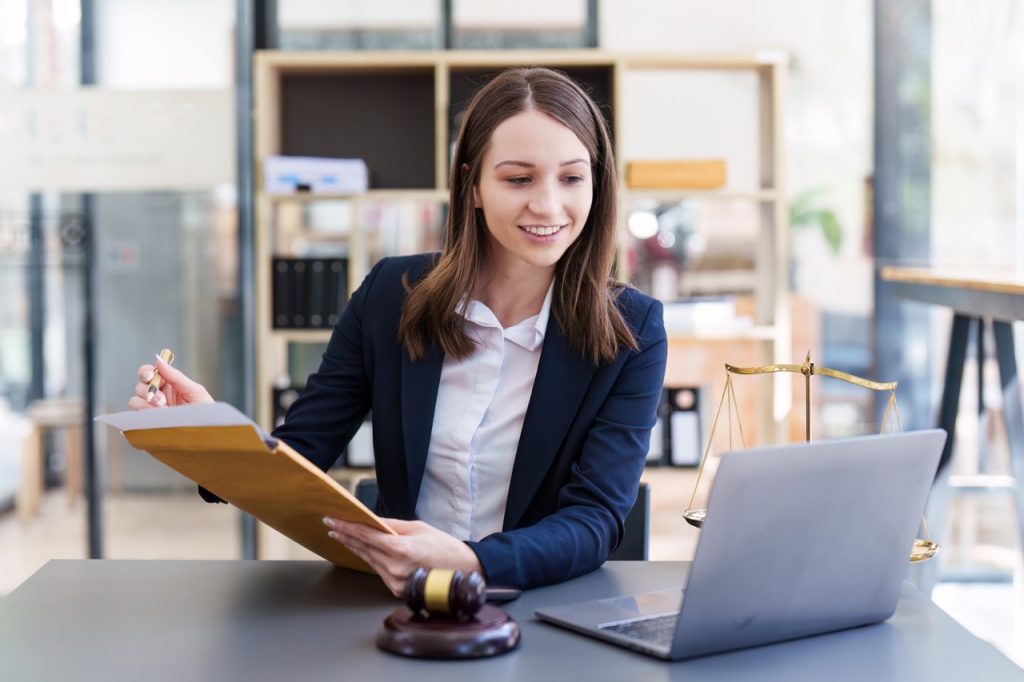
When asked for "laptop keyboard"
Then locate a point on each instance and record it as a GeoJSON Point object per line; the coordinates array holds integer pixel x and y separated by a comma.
{"type": "Point", "coordinates": [657, 630]}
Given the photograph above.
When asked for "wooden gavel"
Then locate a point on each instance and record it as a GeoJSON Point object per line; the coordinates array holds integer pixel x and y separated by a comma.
{"type": "Point", "coordinates": [445, 592]}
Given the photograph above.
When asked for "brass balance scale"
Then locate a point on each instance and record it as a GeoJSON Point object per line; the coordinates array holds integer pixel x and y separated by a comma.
{"type": "Point", "coordinates": [923, 548]}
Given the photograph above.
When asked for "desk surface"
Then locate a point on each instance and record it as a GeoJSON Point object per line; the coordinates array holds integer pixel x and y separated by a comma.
{"type": "Point", "coordinates": [231, 620]}
{"type": "Point", "coordinates": [994, 294]}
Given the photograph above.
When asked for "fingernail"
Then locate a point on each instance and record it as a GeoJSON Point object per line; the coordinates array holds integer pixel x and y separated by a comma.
{"type": "Point", "coordinates": [329, 522]}
{"type": "Point", "coordinates": [148, 377]}
{"type": "Point", "coordinates": [332, 535]}
{"type": "Point", "coordinates": [161, 399]}
{"type": "Point", "coordinates": [158, 358]}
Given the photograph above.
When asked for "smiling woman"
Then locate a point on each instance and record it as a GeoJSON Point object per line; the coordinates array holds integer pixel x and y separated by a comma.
{"type": "Point", "coordinates": [513, 415]}
{"type": "Point", "coordinates": [519, 128]}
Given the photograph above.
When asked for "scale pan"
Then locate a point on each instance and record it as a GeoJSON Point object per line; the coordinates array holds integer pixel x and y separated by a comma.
{"type": "Point", "coordinates": [695, 517]}
{"type": "Point", "coordinates": [923, 550]}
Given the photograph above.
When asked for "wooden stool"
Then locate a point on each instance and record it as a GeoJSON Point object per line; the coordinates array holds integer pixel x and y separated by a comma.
{"type": "Point", "coordinates": [59, 413]}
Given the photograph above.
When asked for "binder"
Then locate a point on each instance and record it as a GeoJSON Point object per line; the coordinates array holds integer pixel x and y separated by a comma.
{"type": "Point", "coordinates": [300, 297]}
{"type": "Point", "coordinates": [684, 430]}
{"type": "Point", "coordinates": [337, 289]}
{"type": "Point", "coordinates": [317, 292]}
{"type": "Point", "coordinates": [282, 293]}
{"type": "Point", "coordinates": [219, 448]}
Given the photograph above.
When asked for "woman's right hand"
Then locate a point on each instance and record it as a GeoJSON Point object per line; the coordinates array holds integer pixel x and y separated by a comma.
{"type": "Point", "coordinates": [176, 389]}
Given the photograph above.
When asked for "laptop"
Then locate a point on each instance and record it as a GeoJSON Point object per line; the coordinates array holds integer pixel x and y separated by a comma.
{"type": "Point", "coordinates": [799, 540]}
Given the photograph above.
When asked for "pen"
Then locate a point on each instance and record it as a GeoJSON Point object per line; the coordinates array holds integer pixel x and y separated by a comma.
{"type": "Point", "coordinates": [167, 356]}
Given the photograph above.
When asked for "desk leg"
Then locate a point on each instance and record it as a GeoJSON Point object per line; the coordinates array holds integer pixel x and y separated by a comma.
{"type": "Point", "coordinates": [951, 386]}
{"type": "Point", "coordinates": [74, 479]}
{"type": "Point", "coordinates": [1013, 412]}
{"type": "Point", "coordinates": [925, 574]}
{"type": "Point", "coordinates": [30, 483]}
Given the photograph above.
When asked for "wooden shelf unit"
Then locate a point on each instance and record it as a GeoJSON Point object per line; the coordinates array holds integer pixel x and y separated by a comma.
{"type": "Point", "coordinates": [397, 110]}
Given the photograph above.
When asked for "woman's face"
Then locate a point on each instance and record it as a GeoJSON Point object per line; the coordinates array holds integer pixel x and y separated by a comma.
{"type": "Point", "coordinates": [535, 190]}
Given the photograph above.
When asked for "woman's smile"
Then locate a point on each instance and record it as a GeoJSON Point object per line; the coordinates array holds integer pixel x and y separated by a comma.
{"type": "Point", "coordinates": [542, 233]}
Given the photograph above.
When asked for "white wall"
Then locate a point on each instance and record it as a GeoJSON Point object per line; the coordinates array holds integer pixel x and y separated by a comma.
{"type": "Point", "coordinates": [829, 112]}
{"type": "Point", "coordinates": [146, 44]}
{"type": "Point", "coordinates": [976, 79]}
{"type": "Point", "coordinates": [304, 14]}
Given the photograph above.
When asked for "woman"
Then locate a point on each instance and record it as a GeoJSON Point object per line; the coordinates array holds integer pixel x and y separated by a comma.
{"type": "Point", "coordinates": [512, 385]}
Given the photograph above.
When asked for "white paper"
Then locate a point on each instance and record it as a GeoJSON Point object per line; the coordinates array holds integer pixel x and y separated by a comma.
{"type": "Point", "coordinates": [685, 438]}
{"type": "Point", "coordinates": [208, 414]}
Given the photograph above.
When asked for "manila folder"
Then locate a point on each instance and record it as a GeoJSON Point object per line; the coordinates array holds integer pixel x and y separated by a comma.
{"type": "Point", "coordinates": [219, 448]}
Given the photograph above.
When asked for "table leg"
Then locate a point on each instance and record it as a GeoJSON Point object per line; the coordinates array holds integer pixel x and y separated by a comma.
{"type": "Point", "coordinates": [30, 483]}
{"type": "Point", "coordinates": [1013, 412]}
{"type": "Point", "coordinates": [925, 574]}
{"type": "Point", "coordinates": [951, 386]}
{"type": "Point", "coordinates": [75, 467]}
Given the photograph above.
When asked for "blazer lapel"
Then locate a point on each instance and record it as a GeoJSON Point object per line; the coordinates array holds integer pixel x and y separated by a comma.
{"type": "Point", "coordinates": [419, 396]}
{"type": "Point", "coordinates": [563, 378]}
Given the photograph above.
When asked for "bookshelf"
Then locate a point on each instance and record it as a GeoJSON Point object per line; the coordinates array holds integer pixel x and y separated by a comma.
{"type": "Point", "coordinates": [398, 111]}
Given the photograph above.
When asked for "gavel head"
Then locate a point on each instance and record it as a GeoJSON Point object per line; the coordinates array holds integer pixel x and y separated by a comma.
{"type": "Point", "coordinates": [445, 592]}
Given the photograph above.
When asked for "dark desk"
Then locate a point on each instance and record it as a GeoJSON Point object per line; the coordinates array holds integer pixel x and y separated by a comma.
{"type": "Point", "coordinates": [974, 298]}
{"type": "Point", "coordinates": [235, 620]}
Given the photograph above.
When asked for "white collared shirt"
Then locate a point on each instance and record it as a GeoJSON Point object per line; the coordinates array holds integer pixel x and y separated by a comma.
{"type": "Point", "coordinates": [478, 417]}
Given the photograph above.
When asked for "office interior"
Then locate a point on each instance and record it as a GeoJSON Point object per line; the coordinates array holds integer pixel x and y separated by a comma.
{"type": "Point", "coordinates": [134, 216]}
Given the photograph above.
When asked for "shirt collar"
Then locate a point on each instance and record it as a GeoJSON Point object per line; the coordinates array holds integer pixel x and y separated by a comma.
{"type": "Point", "coordinates": [528, 334]}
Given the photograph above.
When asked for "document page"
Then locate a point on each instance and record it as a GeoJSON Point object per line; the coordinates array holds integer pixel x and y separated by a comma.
{"type": "Point", "coordinates": [208, 414]}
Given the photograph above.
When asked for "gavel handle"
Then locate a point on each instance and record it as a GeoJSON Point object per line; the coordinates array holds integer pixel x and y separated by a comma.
{"type": "Point", "coordinates": [499, 595]}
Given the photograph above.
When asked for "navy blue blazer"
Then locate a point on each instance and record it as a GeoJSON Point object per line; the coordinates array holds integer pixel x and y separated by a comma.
{"type": "Point", "coordinates": [581, 452]}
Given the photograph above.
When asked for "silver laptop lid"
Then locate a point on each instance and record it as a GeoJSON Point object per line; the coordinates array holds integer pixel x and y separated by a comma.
{"type": "Point", "coordinates": [803, 539]}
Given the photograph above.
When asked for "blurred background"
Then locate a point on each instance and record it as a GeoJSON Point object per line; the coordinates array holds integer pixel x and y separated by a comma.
{"type": "Point", "coordinates": [134, 216]}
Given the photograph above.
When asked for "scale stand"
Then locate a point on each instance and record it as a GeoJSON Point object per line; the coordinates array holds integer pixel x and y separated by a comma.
{"type": "Point", "coordinates": [923, 548]}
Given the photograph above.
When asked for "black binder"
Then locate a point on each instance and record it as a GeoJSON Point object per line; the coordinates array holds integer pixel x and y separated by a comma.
{"type": "Point", "coordinates": [309, 293]}
{"type": "Point", "coordinates": [281, 292]}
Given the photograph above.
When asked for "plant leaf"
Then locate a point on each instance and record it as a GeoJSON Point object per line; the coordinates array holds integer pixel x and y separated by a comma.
{"type": "Point", "coordinates": [831, 230]}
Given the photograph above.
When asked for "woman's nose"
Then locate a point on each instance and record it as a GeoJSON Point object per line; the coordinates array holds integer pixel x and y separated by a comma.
{"type": "Point", "coordinates": [544, 199]}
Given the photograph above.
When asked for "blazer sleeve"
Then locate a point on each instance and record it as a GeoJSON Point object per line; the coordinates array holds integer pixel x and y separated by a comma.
{"type": "Point", "coordinates": [336, 398]}
{"type": "Point", "coordinates": [588, 522]}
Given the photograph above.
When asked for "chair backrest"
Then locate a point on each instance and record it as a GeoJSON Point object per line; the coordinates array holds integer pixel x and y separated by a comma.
{"type": "Point", "coordinates": [634, 541]}
{"type": "Point", "coordinates": [366, 492]}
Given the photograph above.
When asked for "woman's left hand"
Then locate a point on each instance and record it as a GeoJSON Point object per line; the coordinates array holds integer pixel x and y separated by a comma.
{"type": "Point", "coordinates": [395, 557]}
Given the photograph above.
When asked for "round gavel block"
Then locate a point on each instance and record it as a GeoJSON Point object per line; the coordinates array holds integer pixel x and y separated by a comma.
{"type": "Point", "coordinates": [489, 633]}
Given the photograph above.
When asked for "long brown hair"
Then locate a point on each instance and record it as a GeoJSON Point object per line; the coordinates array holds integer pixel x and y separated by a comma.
{"type": "Point", "coordinates": [583, 302]}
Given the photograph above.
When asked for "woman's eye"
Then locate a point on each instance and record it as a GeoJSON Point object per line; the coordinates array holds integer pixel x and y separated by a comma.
{"type": "Point", "coordinates": [520, 180]}
{"type": "Point", "coordinates": [573, 179]}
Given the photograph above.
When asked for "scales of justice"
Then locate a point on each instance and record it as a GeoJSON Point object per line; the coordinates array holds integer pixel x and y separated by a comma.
{"type": "Point", "coordinates": [923, 548]}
